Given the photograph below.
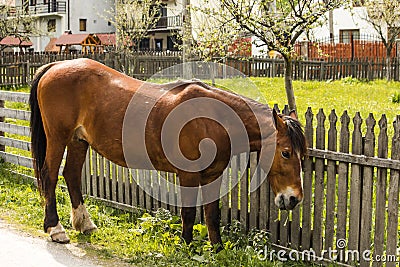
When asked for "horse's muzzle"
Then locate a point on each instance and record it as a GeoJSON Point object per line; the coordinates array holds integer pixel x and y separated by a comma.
{"type": "Point", "coordinates": [286, 203]}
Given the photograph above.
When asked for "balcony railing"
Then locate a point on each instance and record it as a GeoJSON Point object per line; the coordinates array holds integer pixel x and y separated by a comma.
{"type": "Point", "coordinates": [170, 22]}
{"type": "Point", "coordinates": [51, 7]}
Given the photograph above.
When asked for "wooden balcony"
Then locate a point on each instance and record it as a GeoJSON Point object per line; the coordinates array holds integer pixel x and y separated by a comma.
{"type": "Point", "coordinates": [59, 7]}
{"type": "Point", "coordinates": [169, 23]}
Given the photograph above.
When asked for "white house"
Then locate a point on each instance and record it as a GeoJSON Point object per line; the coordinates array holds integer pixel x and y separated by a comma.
{"type": "Point", "coordinates": [57, 16]}
{"type": "Point", "coordinates": [94, 16]}
{"type": "Point", "coordinates": [348, 24]}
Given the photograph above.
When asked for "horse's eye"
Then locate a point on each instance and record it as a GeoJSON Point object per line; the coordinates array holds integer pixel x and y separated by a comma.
{"type": "Point", "coordinates": [285, 154]}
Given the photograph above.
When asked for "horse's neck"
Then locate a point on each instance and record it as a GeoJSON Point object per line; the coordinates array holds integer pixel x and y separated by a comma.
{"type": "Point", "coordinates": [260, 125]}
{"type": "Point", "coordinates": [256, 117]}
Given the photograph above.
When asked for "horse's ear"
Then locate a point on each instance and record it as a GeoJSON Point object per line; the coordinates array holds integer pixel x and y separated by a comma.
{"type": "Point", "coordinates": [279, 123]}
{"type": "Point", "coordinates": [293, 114]}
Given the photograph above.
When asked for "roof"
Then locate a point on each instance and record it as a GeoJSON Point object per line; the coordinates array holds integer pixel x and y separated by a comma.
{"type": "Point", "coordinates": [71, 39]}
{"type": "Point", "coordinates": [51, 46]}
{"type": "Point", "coordinates": [106, 39]}
{"type": "Point", "coordinates": [14, 41]}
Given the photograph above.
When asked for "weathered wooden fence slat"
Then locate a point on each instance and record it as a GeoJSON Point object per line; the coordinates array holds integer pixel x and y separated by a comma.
{"type": "Point", "coordinates": [17, 160]}
{"type": "Point", "coordinates": [319, 185]}
{"type": "Point", "coordinates": [15, 129]}
{"type": "Point", "coordinates": [355, 187]}
{"type": "Point", "coordinates": [15, 114]}
{"type": "Point", "coordinates": [367, 190]}
{"type": "Point", "coordinates": [350, 196]}
{"type": "Point", "coordinates": [393, 198]}
{"type": "Point", "coordinates": [331, 183]}
{"type": "Point", "coordinates": [343, 182]}
{"type": "Point", "coordinates": [15, 143]}
{"type": "Point", "coordinates": [381, 185]}
{"type": "Point", "coordinates": [307, 184]}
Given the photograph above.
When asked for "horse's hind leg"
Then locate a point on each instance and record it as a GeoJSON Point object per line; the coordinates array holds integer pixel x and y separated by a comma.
{"type": "Point", "coordinates": [76, 153]}
{"type": "Point", "coordinates": [49, 173]}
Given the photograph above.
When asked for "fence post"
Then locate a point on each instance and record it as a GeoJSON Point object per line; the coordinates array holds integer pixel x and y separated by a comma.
{"type": "Point", "coordinates": [2, 119]}
{"type": "Point", "coordinates": [27, 72]}
{"type": "Point", "coordinates": [322, 71]}
{"type": "Point", "coordinates": [393, 197]}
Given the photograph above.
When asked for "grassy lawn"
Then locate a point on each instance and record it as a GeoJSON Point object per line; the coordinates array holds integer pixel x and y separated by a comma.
{"type": "Point", "coordinates": [137, 238]}
{"type": "Point", "coordinates": [346, 94]}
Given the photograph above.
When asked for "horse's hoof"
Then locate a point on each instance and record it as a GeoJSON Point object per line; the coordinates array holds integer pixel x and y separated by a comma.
{"type": "Point", "coordinates": [61, 238]}
{"type": "Point", "coordinates": [90, 228]}
{"type": "Point", "coordinates": [58, 234]}
{"type": "Point", "coordinates": [81, 220]}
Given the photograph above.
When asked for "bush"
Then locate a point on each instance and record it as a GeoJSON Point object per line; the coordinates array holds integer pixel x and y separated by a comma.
{"type": "Point", "coordinates": [396, 98]}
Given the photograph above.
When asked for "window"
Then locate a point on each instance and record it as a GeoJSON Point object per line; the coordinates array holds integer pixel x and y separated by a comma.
{"type": "Point", "coordinates": [163, 10]}
{"type": "Point", "coordinates": [347, 36]}
{"type": "Point", "coordinates": [173, 43]}
{"type": "Point", "coordinates": [82, 25]}
{"type": "Point", "coordinates": [159, 44]}
{"type": "Point", "coordinates": [51, 25]}
{"type": "Point", "coordinates": [33, 3]}
{"type": "Point", "coordinates": [144, 44]}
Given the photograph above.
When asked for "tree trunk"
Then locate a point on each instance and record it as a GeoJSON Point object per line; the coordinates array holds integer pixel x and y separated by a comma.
{"type": "Point", "coordinates": [388, 63]}
{"type": "Point", "coordinates": [289, 84]}
{"type": "Point", "coordinates": [331, 30]}
{"type": "Point", "coordinates": [187, 39]}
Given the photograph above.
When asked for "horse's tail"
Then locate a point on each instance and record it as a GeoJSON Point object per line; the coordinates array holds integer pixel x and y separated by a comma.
{"type": "Point", "coordinates": [38, 136]}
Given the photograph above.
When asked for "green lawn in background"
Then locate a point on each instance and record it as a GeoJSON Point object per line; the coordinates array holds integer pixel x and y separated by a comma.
{"type": "Point", "coordinates": [346, 94]}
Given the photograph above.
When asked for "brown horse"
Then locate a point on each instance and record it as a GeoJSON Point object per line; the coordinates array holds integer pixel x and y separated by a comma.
{"type": "Point", "coordinates": [81, 102]}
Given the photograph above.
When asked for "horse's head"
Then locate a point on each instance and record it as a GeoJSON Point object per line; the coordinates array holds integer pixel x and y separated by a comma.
{"type": "Point", "coordinates": [285, 175]}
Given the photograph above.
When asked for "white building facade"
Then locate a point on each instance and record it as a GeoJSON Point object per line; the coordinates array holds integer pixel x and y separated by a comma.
{"type": "Point", "coordinates": [347, 23]}
{"type": "Point", "coordinates": [58, 16]}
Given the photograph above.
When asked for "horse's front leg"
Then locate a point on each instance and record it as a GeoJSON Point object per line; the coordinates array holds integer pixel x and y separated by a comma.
{"type": "Point", "coordinates": [212, 215]}
{"type": "Point", "coordinates": [210, 193]}
{"type": "Point", "coordinates": [189, 187]}
{"type": "Point", "coordinates": [188, 215]}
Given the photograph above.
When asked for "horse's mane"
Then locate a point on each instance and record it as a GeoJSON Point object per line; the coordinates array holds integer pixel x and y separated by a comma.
{"type": "Point", "coordinates": [296, 135]}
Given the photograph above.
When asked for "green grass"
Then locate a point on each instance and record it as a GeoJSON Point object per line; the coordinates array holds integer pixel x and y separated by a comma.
{"type": "Point", "coordinates": [137, 238]}
{"type": "Point", "coordinates": [346, 94]}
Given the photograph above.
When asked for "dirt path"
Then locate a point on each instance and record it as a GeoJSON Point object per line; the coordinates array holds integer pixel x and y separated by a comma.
{"type": "Point", "coordinates": [18, 248]}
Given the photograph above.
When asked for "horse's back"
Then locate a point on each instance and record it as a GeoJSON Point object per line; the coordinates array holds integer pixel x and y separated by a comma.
{"type": "Point", "coordinates": [87, 100]}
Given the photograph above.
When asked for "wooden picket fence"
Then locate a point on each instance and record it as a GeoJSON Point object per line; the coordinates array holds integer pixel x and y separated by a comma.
{"type": "Point", "coordinates": [19, 69]}
{"type": "Point", "coordinates": [351, 185]}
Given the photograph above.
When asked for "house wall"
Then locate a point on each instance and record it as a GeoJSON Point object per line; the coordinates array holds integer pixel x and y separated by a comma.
{"type": "Point", "coordinates": [97, 13]}
{"type": "Point", "coordinates": [345, 19]}
{"type": "Point", "coordinates": [40, 42]}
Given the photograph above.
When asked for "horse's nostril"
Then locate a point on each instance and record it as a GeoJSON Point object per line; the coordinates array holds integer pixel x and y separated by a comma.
{"type": "Point", "coordinates": [293, 201]}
